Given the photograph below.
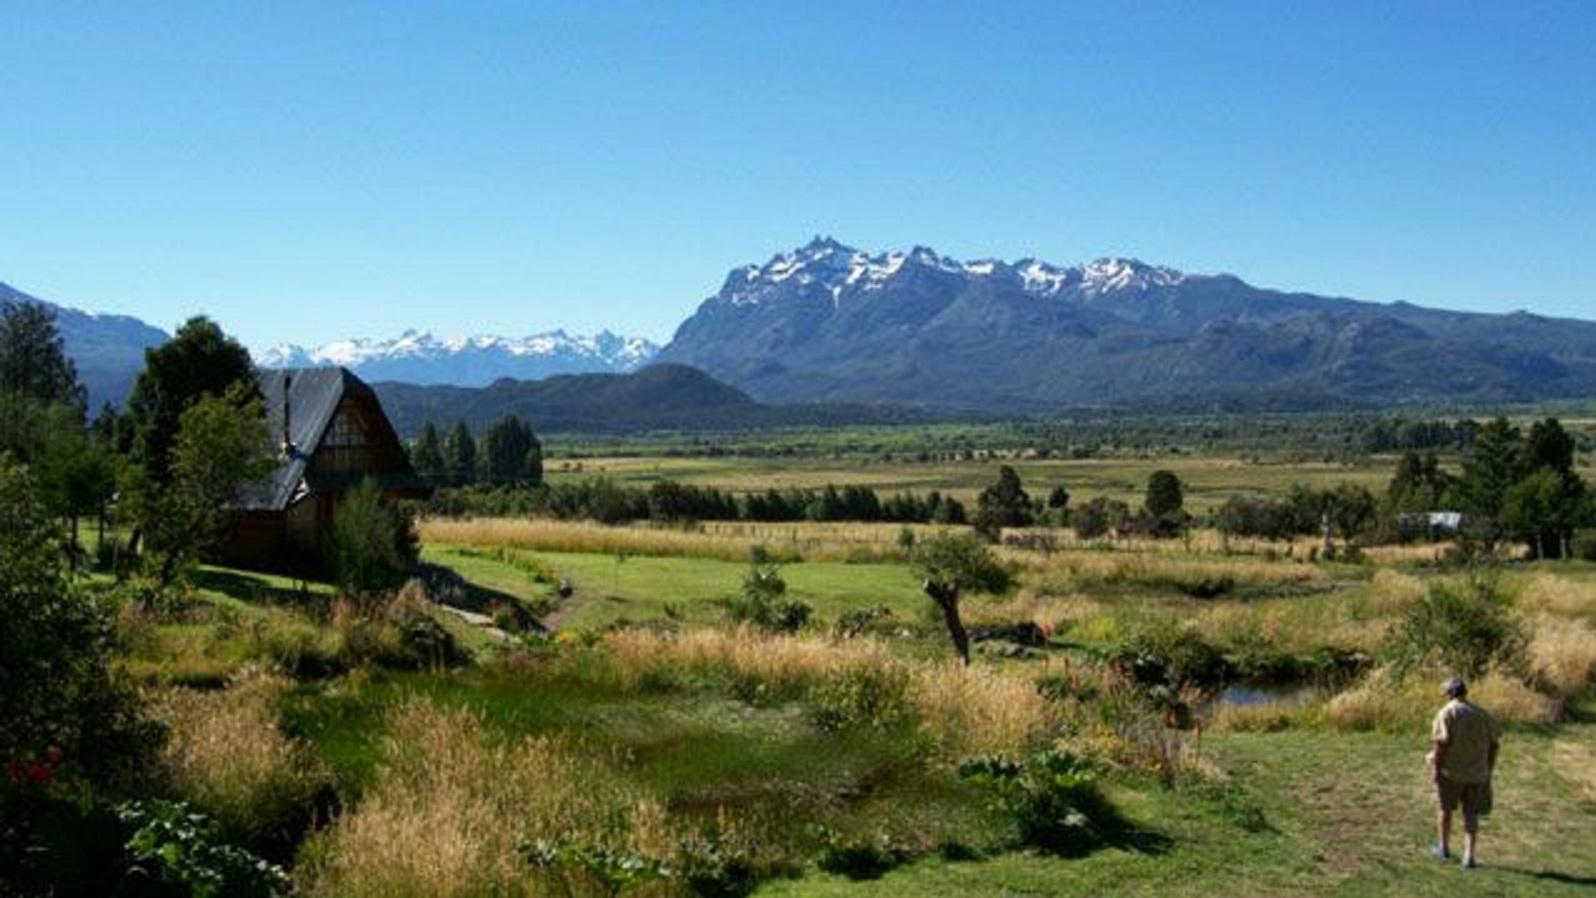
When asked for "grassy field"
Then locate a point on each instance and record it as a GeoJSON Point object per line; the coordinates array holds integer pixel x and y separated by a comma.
{"type": "Point", "coordinates": [1274, 751]}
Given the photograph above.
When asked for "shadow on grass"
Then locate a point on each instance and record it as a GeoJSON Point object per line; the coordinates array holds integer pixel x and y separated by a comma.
{"type": "Point", "coordinates": [248, 587]}
{"type": "Point", "coordinates": [447, 586]}
{"type": "Point", "coordinates": [1552, 876]}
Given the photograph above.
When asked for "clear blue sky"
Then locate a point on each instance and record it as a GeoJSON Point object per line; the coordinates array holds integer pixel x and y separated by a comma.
{"type": "Point", "coordinates": [308, 171]}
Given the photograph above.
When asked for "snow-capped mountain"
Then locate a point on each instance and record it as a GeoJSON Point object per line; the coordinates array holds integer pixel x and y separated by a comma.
{"type": "Point", "coordinates": [824, 265]}
{"type": "Point", "coordinates": [827, 321]}
{"type": "Point", "coordinates": [421, 358]}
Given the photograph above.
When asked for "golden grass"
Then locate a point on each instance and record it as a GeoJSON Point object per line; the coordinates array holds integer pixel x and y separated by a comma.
{"type": "Point", "coordinates": [451, 806]}
{"type": "Point", "coordinates": [1380, 702]}
{"type": "Point", "coordinates": [964, 710]}
{"type": "Point", "coordinates": [1562, 654]}
{"type": "Point", "coordinates": [1552, 594]}
{"type": "Point", "coordinates": [1071, 571]}
{"type": "Point", "coordinates": [977, 710]}
{"type": "Point", "coordinates": [1261, 717]}
{"type": "Point", "coordinates": [226, 753]}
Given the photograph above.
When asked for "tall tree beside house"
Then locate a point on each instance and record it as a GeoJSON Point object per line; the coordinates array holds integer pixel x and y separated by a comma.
{"type": "Point", "coordinates": [460, 453]}
{"type": "Point", "coordinates": [511, 452]}
{"type": "Point", "coordinates": [427, 454]}
{"type": "Point", "coordinates": [221, 447]}
{"type": "Point", "coordinates": [200, 360]}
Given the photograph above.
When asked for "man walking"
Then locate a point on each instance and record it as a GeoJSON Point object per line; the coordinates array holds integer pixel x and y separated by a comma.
{"type": "Point", "coordinates": [1462, 760]}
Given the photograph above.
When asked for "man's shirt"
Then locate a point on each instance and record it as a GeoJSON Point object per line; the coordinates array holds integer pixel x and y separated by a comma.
{"type": "Point", "coordinates": [1468, 733]}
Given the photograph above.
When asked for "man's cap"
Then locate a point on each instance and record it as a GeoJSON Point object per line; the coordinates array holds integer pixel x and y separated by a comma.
{"type": "Point", "coordinates": [1455, 688]}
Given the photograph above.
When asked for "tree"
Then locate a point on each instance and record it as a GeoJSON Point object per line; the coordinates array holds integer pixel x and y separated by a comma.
{"type": "Point", "coordinates": [1419, 484]}
{"type": "Point", "coordinates": [33, 362]}
{"type": "Point", "coordinates": [1003, 504]}
{"type": "Point", "coordinates": [511, 453]}
{"type": "Point", "coordinates": [427, 455]}
{"type": "Point", "coordinates": [1098, 517]}
{"type": "Point", "coordinates": [1542, 511]}
{"type": "Point", "coordinates": [951, 566]}
{"type": "Point", "coordinates": [200, 360]}
{"type": "Point", "coordinates": [460, 453]}
{"type": "Point", "coordinates": [373, 543]}
{"type": "Point", "coordinates": [1058, 499]}
{"type": "Point", "coordinates": [1165, 494]}
{"type": "Point", "coordinates": [220, 449]}
{"type": "Point", "coordinates": [1494, 464]}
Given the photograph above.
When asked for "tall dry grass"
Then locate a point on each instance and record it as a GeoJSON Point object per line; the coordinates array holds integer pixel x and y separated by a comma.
{"type": "Point", "coordinates": [1561, 596]}
{"type": "Point", "coordinates": [1562, 654]}
{"type": "Point", "coordinates": [451, 806]}
{"type": "Point", "coordinates": [1386, 703]}
{"type": "Point", "coordinates": [963, 710]}
{"type": "Point", "coordinates": [1066, 572]}
{"type": "Point", "coordinates": [226, 753]}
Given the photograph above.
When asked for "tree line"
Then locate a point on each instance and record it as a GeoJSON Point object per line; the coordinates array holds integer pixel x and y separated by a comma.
{"type": "Point", "coordinates": [508, 453]}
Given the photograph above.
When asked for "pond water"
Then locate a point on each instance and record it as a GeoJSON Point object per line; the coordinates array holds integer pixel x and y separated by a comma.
{"type": "Point", "coordinates": [1243, 695]}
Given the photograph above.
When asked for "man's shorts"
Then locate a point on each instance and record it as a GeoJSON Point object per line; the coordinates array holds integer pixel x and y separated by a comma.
{"type": "Point", "coordinates": [1474, 797]}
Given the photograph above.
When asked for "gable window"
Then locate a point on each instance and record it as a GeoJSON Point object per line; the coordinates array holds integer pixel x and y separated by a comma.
{"type": "Point", "coordinates": [344, 447]}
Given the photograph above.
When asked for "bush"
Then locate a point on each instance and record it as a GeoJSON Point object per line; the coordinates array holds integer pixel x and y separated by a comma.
{"type": "Point", "coordinates": [373, 545]}
{"type": "Point", "coordinates": [1167, 655]}
{"type": "Point", "coordinates": [759, 605]}
{"type": "Point", "coordinates": [862, 696]}
{"type": "Point", "coordinates": [55, 650]}
{"type": "Point", "coordinates": [1462, 630]}
{"type": "Point", "coordinates": [860, 858]}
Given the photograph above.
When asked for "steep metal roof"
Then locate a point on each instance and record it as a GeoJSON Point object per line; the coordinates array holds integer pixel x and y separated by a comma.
{"type": "Point", "coordinates": [313, 397]}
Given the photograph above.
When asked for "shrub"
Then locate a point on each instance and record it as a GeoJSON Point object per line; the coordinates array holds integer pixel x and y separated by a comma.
{"type": "Point", "coordinates": [760, 603]}
{"type": "Point", "coordinates": [862, 696]}
{"type": "Point", "coordinates": [55, 649]}
{"type": "Point", "coordinates": [1163, 654]}
{"type": "Point", "coordinates": [1463, 630]}
{"type": "Point", "coordinates": [372, 545]}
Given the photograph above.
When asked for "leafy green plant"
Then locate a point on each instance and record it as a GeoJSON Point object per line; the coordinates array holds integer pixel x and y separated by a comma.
{"type": "Point", "coordinates": [1052, 796]}
{"type": "Point", "coordinates": [611, 869]}
{"type": "Point", "coordinates": [760, 601]}
{"type": "Point", "coordinates": [180, 847]}
{"type": "Point", "coordinates": [373, 545]}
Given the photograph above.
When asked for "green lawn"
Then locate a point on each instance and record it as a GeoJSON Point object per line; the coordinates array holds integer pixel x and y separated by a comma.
{"type": "Point", "coordinates": [1310, 813]}
{"type": "Point", "coordinates": [640, 587]}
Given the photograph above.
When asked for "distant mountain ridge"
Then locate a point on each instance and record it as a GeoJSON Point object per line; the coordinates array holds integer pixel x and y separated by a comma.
{"type": "Point", "coordinates": [421, 358]}
{"type": "Point", "coordinates": [656, 397]}
{"type": "Point", "coordinates": [830, 322]}
{"type": "Point", "coordinates": [108, 350]}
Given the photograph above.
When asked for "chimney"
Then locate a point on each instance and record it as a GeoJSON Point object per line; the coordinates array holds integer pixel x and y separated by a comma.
{"type": "Point", "coordinates": [288, 433]}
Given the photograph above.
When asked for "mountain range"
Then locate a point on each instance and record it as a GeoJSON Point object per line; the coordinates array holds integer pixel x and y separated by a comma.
{"type": "Point", "coordinates": [420, 358]}
{"type": "Point", "coordinates": [844, 332]}
{"type": "Point", "coordinates": [827, 321]}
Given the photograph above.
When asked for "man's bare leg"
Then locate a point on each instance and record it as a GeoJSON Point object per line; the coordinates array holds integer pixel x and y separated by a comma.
{"type": "Point", "coordinates": [1444, 828]}
{"type": "Point", "coordinates": [1471, 827]}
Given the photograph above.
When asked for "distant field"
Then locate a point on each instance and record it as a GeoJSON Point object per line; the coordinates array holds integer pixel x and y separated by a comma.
{"type": "Point", "coordinates": [1209, 480]}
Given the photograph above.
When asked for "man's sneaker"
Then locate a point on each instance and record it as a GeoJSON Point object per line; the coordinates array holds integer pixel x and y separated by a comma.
{"type": "Point", "coordinates": [1469, 863]}
{"type": "Point", "coordinates": [1439, 853]}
